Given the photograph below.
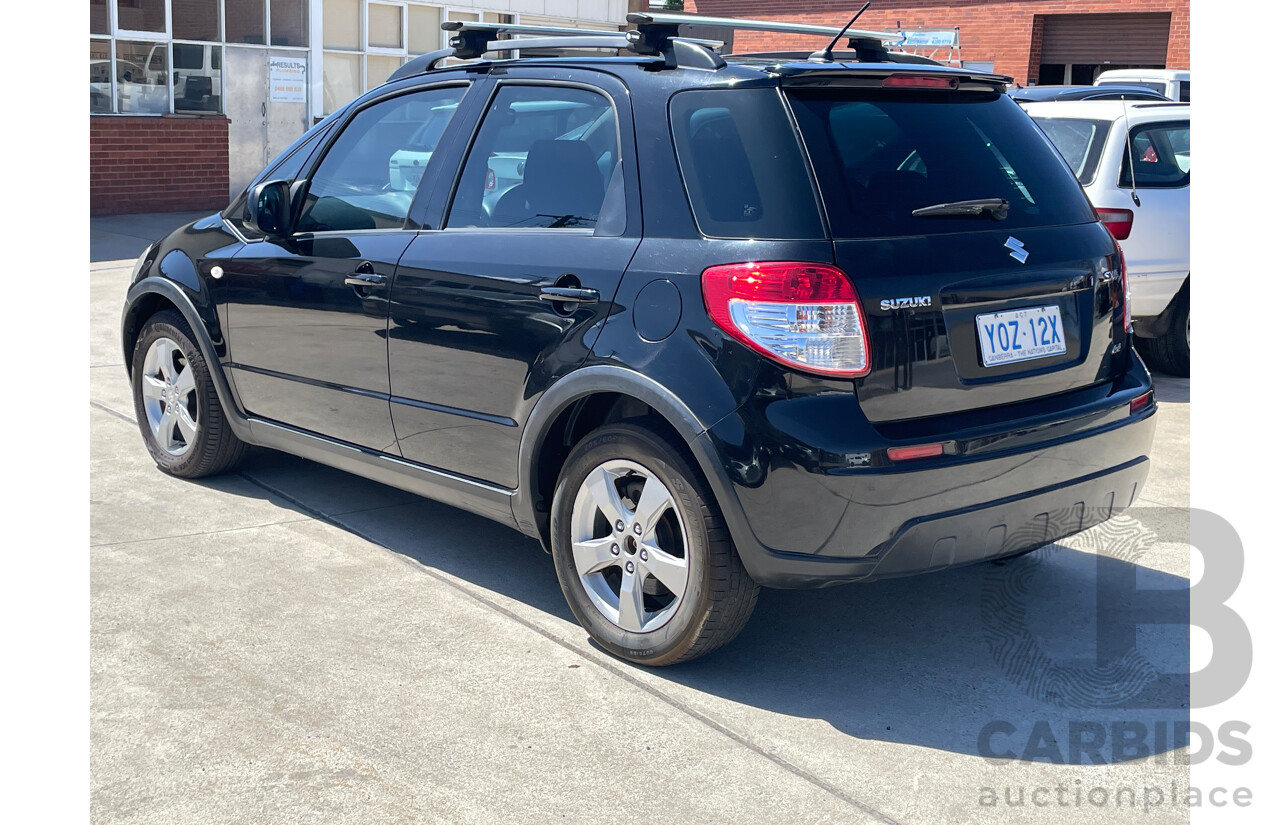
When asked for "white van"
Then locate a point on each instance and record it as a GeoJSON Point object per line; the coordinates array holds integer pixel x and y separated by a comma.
{"type": "Point", "coordinates": [1174, 84]}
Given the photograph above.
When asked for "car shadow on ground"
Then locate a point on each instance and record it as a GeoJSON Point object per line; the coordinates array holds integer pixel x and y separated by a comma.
{"type": "Point", "coordinates": [1171, 388]}
{"type": "Point", "coordinates": [984, 660]}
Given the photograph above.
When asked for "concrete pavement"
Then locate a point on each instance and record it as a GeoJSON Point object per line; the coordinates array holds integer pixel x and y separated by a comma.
{"type": "Point", "coordinates": [289, 643]}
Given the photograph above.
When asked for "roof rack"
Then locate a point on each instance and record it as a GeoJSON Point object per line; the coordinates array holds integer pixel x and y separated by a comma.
{"type": "Point", "coordinates": [655, 35]}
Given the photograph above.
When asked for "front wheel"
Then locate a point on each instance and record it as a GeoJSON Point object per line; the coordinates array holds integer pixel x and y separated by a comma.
{"type": "Point", "coordinates": [641, 550]}
{"type": "Point", "coordinates": [182, 422]}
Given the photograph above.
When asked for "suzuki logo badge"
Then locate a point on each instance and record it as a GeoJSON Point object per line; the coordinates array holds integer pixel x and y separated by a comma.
{"type": "Point", "coordinates": [1016, 250]}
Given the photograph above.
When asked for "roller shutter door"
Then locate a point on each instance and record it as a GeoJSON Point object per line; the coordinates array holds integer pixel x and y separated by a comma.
{"type": "Point", "coordinates": [1133, 39]}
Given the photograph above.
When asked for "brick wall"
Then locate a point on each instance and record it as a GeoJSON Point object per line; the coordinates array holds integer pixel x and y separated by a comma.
{"type": "Point", "coordinates": [1005, 32]}
{"type": "Point", "coordinates": [157, 164]}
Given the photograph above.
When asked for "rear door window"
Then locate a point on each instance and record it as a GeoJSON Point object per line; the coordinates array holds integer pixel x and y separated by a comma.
{"type": "Point", "coordinates": [1161, 153]}
{"type": "Point", "coordinates": [878, 156]}
{"type": "Point", "coordinates": [543, 159]}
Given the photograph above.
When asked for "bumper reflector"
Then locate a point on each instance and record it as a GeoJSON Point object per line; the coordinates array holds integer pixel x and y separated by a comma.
{"type": "Point", "coordinates": [1140, 403]}
{"type": "Point", "coordinates": [918, 451]}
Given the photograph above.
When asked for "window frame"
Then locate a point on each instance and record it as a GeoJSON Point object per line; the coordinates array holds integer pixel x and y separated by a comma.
{"type": "Point", "coordinates": [318, 155]}
{"type": "Point", "coordinates": [133, 34]}
{"type": "Point", "coordinates": [474, 133]}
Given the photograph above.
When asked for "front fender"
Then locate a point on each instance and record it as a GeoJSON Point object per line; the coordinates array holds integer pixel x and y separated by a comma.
{"type": "Point", "coordinates": [141, 302]}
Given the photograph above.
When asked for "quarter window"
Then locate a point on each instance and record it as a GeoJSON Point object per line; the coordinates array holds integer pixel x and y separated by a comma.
{"type": "Point", "coordinates": [368, 177]}
{"type": "Point", "coordinates": [742, 166]}
{"type": "Point", "coordinates": [541, 159]}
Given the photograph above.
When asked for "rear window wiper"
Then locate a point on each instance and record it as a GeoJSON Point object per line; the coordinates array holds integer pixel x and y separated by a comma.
{"type": "Point", "coordinates": [997, 208]}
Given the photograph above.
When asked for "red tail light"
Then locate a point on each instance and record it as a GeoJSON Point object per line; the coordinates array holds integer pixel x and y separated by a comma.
{"type": "Point", "coordinates": [803, 315]}
{"type": "Point", "coordinates": [490, 181]}
{"type": "Point", "coordinates": [915, 81]}
{"type": "Point", "coordinates": [1118, 221]}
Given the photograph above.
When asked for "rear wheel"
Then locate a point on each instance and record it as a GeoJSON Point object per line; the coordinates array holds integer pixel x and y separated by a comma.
{"type": "Point", "coordinates": [1171, 352]}
{"type": "Point", "coordinates": [182, 423]}
{"type": "Point", "coordinates": [641, 551]}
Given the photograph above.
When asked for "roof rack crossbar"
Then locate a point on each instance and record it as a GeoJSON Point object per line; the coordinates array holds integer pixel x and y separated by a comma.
{"type": "Point", "coordinates": [615, 41]}
{"type": "Point", "coordinates": [657, 20]}
{"type": "Point", "coordinates": [471, 39]}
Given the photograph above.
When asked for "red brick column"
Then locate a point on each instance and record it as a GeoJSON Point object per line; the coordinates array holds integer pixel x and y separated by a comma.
{"type": "Point", "coordinates": [157, 164]}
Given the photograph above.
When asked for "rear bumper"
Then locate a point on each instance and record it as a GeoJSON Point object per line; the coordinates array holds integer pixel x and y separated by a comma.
{"type": "Point", "coordinates": [801, 517]}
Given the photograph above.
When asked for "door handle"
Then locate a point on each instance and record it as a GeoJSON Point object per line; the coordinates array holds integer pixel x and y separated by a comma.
{"type": "Point", "coordinates": [366, 279]}
{"type": "Point", "coordinates": [568, 295]}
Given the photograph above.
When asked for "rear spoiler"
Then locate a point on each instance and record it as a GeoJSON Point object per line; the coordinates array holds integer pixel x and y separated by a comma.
{"type": "Point", "coordinates": [873, 75]}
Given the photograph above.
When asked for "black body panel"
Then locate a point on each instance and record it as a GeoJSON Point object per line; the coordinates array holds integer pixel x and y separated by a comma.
{"type": "Point", "coordinates": [309, 350]}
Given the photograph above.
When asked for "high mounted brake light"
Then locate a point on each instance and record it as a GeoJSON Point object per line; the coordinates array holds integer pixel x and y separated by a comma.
{"type": "Point", "coordinates": [803, 315]}
{"type": "Point", "coordinates": [915, 81]}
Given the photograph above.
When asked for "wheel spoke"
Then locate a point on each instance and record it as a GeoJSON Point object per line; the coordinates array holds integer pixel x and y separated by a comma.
{"type": "Point", "coordinates": [672, 571]}
{"type": "Point", "coordinates": [152, 387]}
{"type": "Point", "coordinates": [631, 602]}
{"type": "Point", "coordinates": [163, 428]}
{"type": "Point", "coordinates": [604, 494]}
{"type": "Point", "coordinates": [164, 358]}
{"type": "Point", "coordinates": [593, 555]}
{"type": "Point", "coordinates": [185, 424]}
{"type": "Point", "coordinates": [654, 501]}
{"type": "Point", "coordinates": [185, 381]}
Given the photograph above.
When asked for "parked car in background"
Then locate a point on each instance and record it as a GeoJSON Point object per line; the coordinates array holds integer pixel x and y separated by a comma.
{"type": "Point", "coordinates": [1174, 84]}
{"type": "Point", "coordinates": [1033, 94]}
{"type": "Point", "coordinates": [1148, 212]}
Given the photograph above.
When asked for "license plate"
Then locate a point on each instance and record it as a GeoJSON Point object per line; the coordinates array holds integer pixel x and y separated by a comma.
{"type": "Point", "coordinates": [1020, 335]}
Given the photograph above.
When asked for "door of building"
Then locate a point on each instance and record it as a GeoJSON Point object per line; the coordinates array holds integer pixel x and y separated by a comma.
{"type": "Point", "coordinates": [1075, 47]}
{"type": "Point", "coordinates": [264, 121]}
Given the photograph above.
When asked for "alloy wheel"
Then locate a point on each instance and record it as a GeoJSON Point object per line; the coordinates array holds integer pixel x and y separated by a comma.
{"type": "Point", "coordinates": [630, 546]}
{"type": "Point", "coordinates": [169, 397]}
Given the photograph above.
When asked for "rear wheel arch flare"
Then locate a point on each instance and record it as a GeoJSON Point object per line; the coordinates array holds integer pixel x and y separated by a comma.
{"type": "Point", "coordinates": [572, 409]}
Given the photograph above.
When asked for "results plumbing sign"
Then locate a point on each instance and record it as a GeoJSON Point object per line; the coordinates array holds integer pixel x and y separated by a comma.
{"type": "Point", "coordinates": [288, 80]}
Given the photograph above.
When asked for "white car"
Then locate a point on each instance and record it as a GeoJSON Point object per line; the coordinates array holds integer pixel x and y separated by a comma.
{"type": "Point", "coordinates": [1149, 216]}
{"type": "Point", "coordinates": [1174, 84]}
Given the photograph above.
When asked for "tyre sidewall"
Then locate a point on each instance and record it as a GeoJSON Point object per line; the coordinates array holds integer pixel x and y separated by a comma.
{"type": "Point", "coordinates": [667, 643]}
{"type": "Point", "coordinates": [164, 325]}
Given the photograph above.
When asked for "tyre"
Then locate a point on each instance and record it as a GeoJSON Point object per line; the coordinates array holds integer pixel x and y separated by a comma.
{"type": "Point", "coordinates": [182, 422]}
{"type": "Point", "coordinates": [641, 550]}
{"type": "Point", "coordinates": [1171, 352]}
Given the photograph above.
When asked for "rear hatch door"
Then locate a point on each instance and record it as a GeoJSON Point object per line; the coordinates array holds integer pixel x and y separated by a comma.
{"type": "Point", "coordinates": [1005, 288]}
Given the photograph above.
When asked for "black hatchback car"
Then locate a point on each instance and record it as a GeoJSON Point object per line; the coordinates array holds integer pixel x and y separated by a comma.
{"type": "Point", "coordinates": [699, 324]}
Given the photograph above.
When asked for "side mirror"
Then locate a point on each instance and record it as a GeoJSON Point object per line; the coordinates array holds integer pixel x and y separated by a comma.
{"type": "Point", "coordinates": [270, 208]}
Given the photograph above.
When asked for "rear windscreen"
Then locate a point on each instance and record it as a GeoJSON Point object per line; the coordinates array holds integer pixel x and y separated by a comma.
{"type": "Point", "coordinates": [742, 165]}
{"type": "Point", "coordinates": [878, 156]}
{"type": "Point", "coordinates": [1079, 141]}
